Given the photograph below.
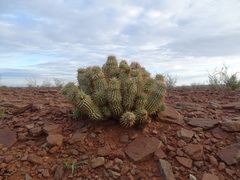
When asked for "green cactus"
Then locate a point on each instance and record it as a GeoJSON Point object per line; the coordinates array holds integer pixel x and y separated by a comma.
{"type": "Point", "coordinates": [128, 119]}
{"type": "Point", "coordinates": [137, 77]}
{"type": "Point", "coordinates": [149, 84]}
{"type": "Point", "coordinates": [141, 115]}
{"type": "Point", "coordinates": [110, 68]}
{"type": "Point", "coordinates": [129, 94]}
{"type": "Point", "coordinates": [87, 106]}
{"type": "Point", "coordinates": [70, 91]}
{"type": "Point", "coordinates": [125, 93]}
{"type": "Point", "coordinates": [115, 98]}
{"type": "Point", "coordinates": [141, 101]}
{"type": "Point", "coordinates": [156, 98]}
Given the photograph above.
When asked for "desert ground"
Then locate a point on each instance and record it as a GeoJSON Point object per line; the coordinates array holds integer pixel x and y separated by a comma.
{"type": "Point", "coordinates": [196, 137]}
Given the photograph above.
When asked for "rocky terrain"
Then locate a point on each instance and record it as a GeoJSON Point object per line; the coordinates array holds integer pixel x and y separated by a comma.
{"type": "Point", "coordinates": [196, 137]}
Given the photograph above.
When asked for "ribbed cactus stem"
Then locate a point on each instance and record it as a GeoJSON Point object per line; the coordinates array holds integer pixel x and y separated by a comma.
{"type": "Point", "coordinates": [110, 68]}
{"type": "Point", "coordinates": [100, 98]}
{"type": "Point", "coordinates": [141, 115]}
{"type": "Point", "coordinates": [124, 71]}
{"type": "Point", "coordinates": [106, 111]}
{"type": "Point", "coordinates": [129, 94]}
{"type": "Point", "coordinates": [137, 77]}
{"type": "Point", "coordinates": [98, 80]}
{"type": "Point", "coordinates": [77, 113]}
{"type": "Point", "coordinates": [128, 119]}
{"type": "Point", "coordinates": [123, 65]}
{"type": "Point", "coordinates": [141, 101]}
{"type": "Point", "coordinates": [145, 74]}
{"type": "Point", "coordinates": [156, 98]}
{"type": "Point", "coordinates": [70, 91]}
{"type": "Point", "coordinates": [84, 80]}
{"type": "Point", "coordinates": [149, 85]}
{"type": "Point", "coordinates": [114, 98]}
{"type": "Point", "coordinates": [135, 65]}
{"type": "Point", "coordinates": [88, 107]}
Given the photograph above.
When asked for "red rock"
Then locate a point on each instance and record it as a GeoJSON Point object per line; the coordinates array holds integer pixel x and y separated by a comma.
{"type": "Point", "coordinates": [52, 129]}
{"type": "Point", "coordinates": [77, 137]}
{"type": "Point", "coordinates": [7, 137]}
{"type": "Point", "coordinates": [142, 147]}
{"type": "Point", "coordinates": [195, 151]}
{"type": "Point", "coordinates": [185, 162]}
{"type": "Point", "coordinates": [159, 154]}
{"type": "Point", "coordinates": [59, 172]}
{"type": "Point", "coordinates": [213, 160]}
{"type": "Point", "coordinates": [181, 143]}
{"type": "Point", "coordinates": [35, 159]}
{"type": "Point", "coordinates": [231, 125]}
{"type": "Point", "coordinates": [3, 165]}
{"type": "Point", "coordinates": [221, 166]}
{"type": "Point", "coordinates": [54, 149]}
{"type": "Point", "coordinates": [185, 134]}
{"type": "Point", "coordinates": [37, 131]}
{"type": "Point", "coordinates": [117, 154]}
{"type": "Point", "coordinates": [219, 133]}
{"type": "Point", "coordinates": [230, 154]}
{"type": "Point", "coordinates": [170, 115]}
{"type": "Point", "coordinates": [231, 105]}
{"type": "Point", "coordinates": [45, 173]}
{"type": "Point", "coordinates": [207, 176]}
{"type": "Point", "coordinates": [204, 123]}
{"type": "Point", "coordinates": [9, 158]}
{"type": "Point", "coordinates": [230, 172]}
{"type": "Point", "coordinates": [96, 162]}
{"type": "Point", "coordinates": [188, 105]}
{"type": "Point", "coordinates": [179, 152]}
{"type": "Point", "coordinates": [55, 139]}
{"type": "Point", "coordinates": [104, 151]}
{"type": "Point", "coordinates": [166, 170]}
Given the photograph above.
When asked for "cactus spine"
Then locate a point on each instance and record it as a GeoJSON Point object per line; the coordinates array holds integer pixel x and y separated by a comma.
{"type": "Point", "coordinates": [115, 98]}
{"type": "Point", "coordinates": [122, 92]}
{"type": "Point", "coordinates": [129, 94]}
{"type": "Point", "coordinates": [128, 119]}
{"type": "Point", "coordinates": [155, 99]}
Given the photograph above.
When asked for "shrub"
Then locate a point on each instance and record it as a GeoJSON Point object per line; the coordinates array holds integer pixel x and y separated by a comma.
{"type": "Point", "coordinates": [31, 81]}
{"type": "Point", "coordinates": [58, 82]}
{"type": "Point", "coordinates": [220, 79]}
{"type": "Point", "coordinates": [122, 92]}
{"type": "Point", "coordinates": [170, 80]}
{"type": "Point", "coordinates": [46, 83]}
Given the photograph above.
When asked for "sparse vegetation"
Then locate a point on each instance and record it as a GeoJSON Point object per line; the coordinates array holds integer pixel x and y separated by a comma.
{"type": "Point", "coordinates": [72, 164]}
{"type": "Point", "coordinates": [221, 79]}
{"type": "Point", "coordinates": [46, 83]}
{"type": "Point", "coordinates": [170, 80]}
{"type": "Point", "coordinates": [2, 111]}
{"type": "Point", "coordinates": [31, 81]}
{"type": "Point", "coordinates": [58, 82]}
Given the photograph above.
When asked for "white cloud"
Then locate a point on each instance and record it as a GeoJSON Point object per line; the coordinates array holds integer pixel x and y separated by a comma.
{"type": "Point", "coordinates": [182, 37]}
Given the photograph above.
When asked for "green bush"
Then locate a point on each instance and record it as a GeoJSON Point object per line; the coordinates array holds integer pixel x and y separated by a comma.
{"type": "Point", "coordinates": [122, 92]}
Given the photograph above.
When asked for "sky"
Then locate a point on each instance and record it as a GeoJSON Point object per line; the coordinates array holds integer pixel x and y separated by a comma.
{"type": "Point", "coordinates": [45, 39]}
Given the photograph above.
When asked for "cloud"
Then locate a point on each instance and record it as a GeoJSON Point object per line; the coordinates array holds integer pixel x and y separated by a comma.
{"type": "Point", "coordinates": [52, 37]}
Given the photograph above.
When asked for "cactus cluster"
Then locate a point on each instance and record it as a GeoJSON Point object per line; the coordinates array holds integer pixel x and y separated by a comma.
{"type": "Point", "coordinates": [123, 92]}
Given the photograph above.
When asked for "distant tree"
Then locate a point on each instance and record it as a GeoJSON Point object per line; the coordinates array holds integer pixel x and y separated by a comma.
{"type": "Point", "coordinates": [31, 81]}
{"type": "Point", "coordinates": [220, 79]}
{"type": "Point", "coordinates": [170, 80]}
{"type": "Point", "coordinates": [46, 83]}
{"type": "Point", "coordinates": [58, 82]}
